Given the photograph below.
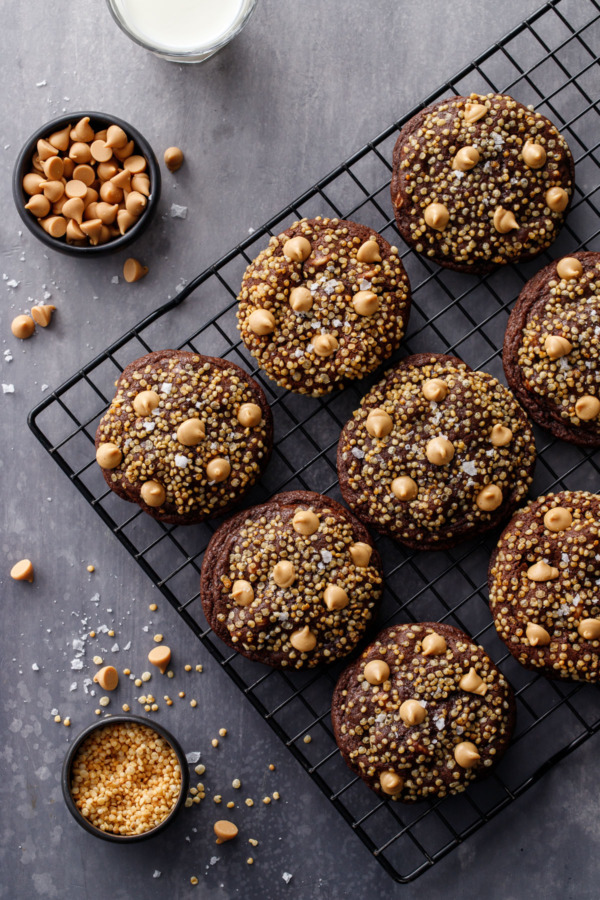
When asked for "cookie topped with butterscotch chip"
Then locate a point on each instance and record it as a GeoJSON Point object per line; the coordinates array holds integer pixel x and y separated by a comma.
{"type": "Point", "coordinates": [325, 303]}
{"type": "Point", "coordinates": [293, 582]}
{"type": "Point", "coordinates": [185, 437]}
{"type": "Point", "coordinates": [551, 350]}
{"type": "Point", "coordinates": [543, 579]}
{"type": "Point", "coordinates": [435, 453]}
{"type": "Point", "coordinates": [422, 712]}
{"type": "Point", "coordinates": [480, 181]}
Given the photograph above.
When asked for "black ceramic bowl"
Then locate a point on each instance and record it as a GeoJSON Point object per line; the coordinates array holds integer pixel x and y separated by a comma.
{"type": "Point", "coordinates": [98, 121]}
{"type": "Point", "coordinates": [66, 778]}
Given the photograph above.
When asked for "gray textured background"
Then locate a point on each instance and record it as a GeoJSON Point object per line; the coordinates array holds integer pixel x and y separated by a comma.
{"type": "Point", "coordinates": [305, 85]}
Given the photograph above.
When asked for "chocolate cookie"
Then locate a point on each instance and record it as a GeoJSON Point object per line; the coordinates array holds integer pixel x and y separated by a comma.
{"type": "Point", "coordinates": [435, 453]}
{"type": "Point", "coordinates": [422, 713]}
{"type": "Point", "coordinates": [543, 579]}
{"type": "Point", "coordinates": [185, 437]}
{"type": "Point", "coordinates": [480, 181]}
{"type": "Point", "coordinates": [326, 302]}
{"type": "Point", "coordinates": [291, 583]}
{"type": "Point", "coordinates": [552, 349]}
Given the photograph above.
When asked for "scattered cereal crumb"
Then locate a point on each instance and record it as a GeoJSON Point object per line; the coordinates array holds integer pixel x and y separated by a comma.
{"type": "Point", "coordinates": [146, 676]}
{"type": "Point", "coordinates": [236, 783]}
{"type": "Point", "coordinates": [181, 694]}
{"type": "Point", "coordinates": [276, 795]}
{"type": "Point", "coordinates": [153, 607]}
{"type": "Point", "coordinates": [188, 668]}
{"type": "Point", "coordinates": [57, 719]}
{"type": "Point", "coordinates": [215, 742]}
{"type": "Point", "coordinates": [125, 707]}
{"type": "Point", "coordinates": [67, 721]}
{"type": "Point", "coordinates": [230, 805]}
{"type": "Point", "coordinates": [266, 800]}
{"type": "Point", "coordinates": [104, 701]}
{"type": "Point", "coordinates": [217, 798]}
{"type": "Point", "coordinates": [193, 703]}
{"type": "Point", "coordinates": [253, 841]}
{"type": "Point", "coordinates": [223, 732]}
{"type": "Point", "coordinates": [193, 880]}
{"type": "Point", "coordinates": [249, 801]}
{"type": "Point", "coordinates": [97, 660]}
{"type": "Point", "coordinates": [307, 739]}
{"type": "Point", "coordinates": [199, 669]}
{"type": "Point", "coordinates": [170, 673]}
{"type": "Point", "coordinates": [157, 638]}
{"type": "Point", "coordinates": [200, 770]}
{"type": "Point", "coordinates": [250, 861]}
{"type": "Point", "coordinates": [271, 767]}
{"type": "Point", "coordinates": [91, 568]}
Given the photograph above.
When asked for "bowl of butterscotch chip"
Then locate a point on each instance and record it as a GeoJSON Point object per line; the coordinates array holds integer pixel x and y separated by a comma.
{"type": "Point", "coordinates": [86, 184]}
{"type": "Point", "coordinates": [125, 780]}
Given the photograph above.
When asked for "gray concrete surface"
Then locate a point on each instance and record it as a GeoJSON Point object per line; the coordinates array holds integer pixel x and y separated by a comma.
{"type": "Point", "coordinates": [304, 85]}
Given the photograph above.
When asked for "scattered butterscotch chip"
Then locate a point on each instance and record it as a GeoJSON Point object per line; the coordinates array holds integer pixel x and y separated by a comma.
{"type": "Point", "coordinates": [160, 657]}
{"type": "Point", "coordinates": [22, 327]}
{"type": "Point", "coordinates": [42, 315]}
{"type": "Point", "coordinates": [107, 678]}
{"type": "Point", "coordinates": [22, 570]}
{"type": "Point", "coordinates": [173, 158]}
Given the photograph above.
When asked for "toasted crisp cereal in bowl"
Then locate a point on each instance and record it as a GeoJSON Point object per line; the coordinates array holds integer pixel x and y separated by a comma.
{"type": "Point", "coordinates": [125, 778]}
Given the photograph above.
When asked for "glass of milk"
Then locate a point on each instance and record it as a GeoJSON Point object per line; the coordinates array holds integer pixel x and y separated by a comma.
{"type": "Point", "coordinates": [184, 31]}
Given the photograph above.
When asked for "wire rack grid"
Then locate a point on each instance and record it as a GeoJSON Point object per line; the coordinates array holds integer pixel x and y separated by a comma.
{"type": "Point", "coordinates": [550, 61]}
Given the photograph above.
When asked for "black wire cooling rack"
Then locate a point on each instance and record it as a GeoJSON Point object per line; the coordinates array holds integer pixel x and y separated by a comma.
{"type": "Point", "coordinates": [550, 61]}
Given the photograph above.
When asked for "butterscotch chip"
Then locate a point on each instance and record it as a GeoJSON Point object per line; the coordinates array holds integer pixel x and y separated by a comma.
{"type": "Point", "coordinates": [54, 168]}
{"type": "Point", "coordinates": [570, 267]}
{"type": "Point", "coordinates": [75, 188]}
{"type": "Point", "coordinates": [587, 407]}
{"type": "Point", "coordinates": [369, 252]}
{"type": "Point", "coordinates": [80, 153]}
{"type": "Point", "coordinates": [55, 226]}
{"type": "Point", "coordinates": [534, 155]}
{"type": "Point", "coordinates": [557, 199]}
{"type": "Point", "coordinates": [73, 209]}
{"type": "Point", "coordinates": [218, 470]}
{"type": "Point", "coordinates": [122, 153]}
{"type": "Point", "coordinates": [191, 432]}
{"type": "Point", "coordinates": [421, 486]}
{"type": "Point", "coordinates": [489, 498]}
{"type": "Point", "coordinates": [557, 346]}
{"type": "Point", "coordinates": [537, 635]}
{"type": "Point", "coordinates": [110, 193]}
{"type": "Point", "coordinates": [501, 436]}
{"type": "Point", "coordinates": [305, 522]}
{"type": "Point", "coordinates": [145, 402]}
{"type": "Point", "coordinates": [412, 713]}
{"type": "Point", "coordinates": [558, 519]}
{"type": "Point", "coordinates": [435, 389]}
{"type": "Point", "coordinates": [541, 571]}
{"type": "Point", "coordinates": [163, 391]}
{"type": "Point", "coordinates": [249, 415]}
{"type": "Point", "coordinates": [400, 735]}
{"type": "Point", "coordinates": [53, 190]}
{"type": "Point", "coordinates": [123, 180]}
{"type": "Point", "coordinates": [139, 182]}
{"type": "Point", "coordinates": [38, 205]}
{"type": "Point", "coordinates": [377, 671]}
{"type": "Point", "coordinates": [440, 451]}
{"type": "Point", "coordinates": [466, 158]}
{"type": "Point", "coordinates": [42, 315]}
{"type": "Point", "coordinates": [589, 629]}
{"type": "Point", "coordinates": [494, 165]}
{"type": "Point", "coordinates": [436, 215]}
{"type": "Point", "coordinates": [405, 488]}
{"type": "Point", "coordinates": [22, 327]}
{"type": "Point", "coordinates": [242, 592]}
{"type": "Point", "coordinates": [366, 303]}
{"type": "Point", "coordinates": [22, 570]}
{"type": "Point", "coordinates": [60, 139]}
{"type": "Point", "coordinates": [361, 554]}
{"type": "Point", "coordinates": [83, 131]}
{"type": "Point", "coordinates": [173, 158]}
{"type": "Point", "coordinates": [504, 220]}
{"type": "Point", "coordinates": [135, 164]}
{"type": "Point", "coordinates": [560, 602]}
{"type": "Point", "coordinates": [45, 150]}
{"type": "Point", "coordinates": [261, 322]}
{"type": "Point", "coordinates": [466, 755]}
{"type": "Point", "coordinates": [340, 310]}
{"type": "Point", "coordinates": [133, 270]}
{"type": "Point", "coordinates": [335, 597]}
{"type": "Point", "coordinates": [107, 678]}
{"type": "Point", "coordinates": [305, 595]}
{"type": "Point", "coordinates": [297, 248]}
{"type": "Point", "coordinates": [135, 203]}
{"type": "Point", "coordinates": [160, 657]}
{"type": "Point", "coordinates": [125, 220]}
{"type": "Point", "coordinates": [108, 456]}
{"type": "Point", "coordinates": [100, 151]}
{"type": "Point", "coordinates": [74, 232]}
{"type": "Point", "coordinates": [225, 831]}
{"type": "Point", "coordinates": [115, 137]}
{"type": "Point", "coordinates": [284, 573]}
{"type": "Point", "coordinates": [92, 228]}
{"type": "Point", "coordinates": [433, 645]}
{"type": "Point", "coordinates": [304, 640]}
{"type": "Point", "coordinates": [32, 183]}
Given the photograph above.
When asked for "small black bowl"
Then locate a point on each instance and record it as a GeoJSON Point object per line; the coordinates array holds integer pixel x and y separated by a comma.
{"type": "Point", "coordinates": [66, 778]}
{"type": "Point", "coordinates": [98, 122]}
